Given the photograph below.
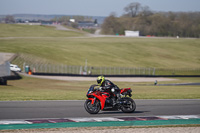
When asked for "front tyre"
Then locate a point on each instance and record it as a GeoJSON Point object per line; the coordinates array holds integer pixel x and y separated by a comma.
{"type": "Point", "coordinates": [92, 109]}
{"type": "Point", "coordinates": [128, 106]}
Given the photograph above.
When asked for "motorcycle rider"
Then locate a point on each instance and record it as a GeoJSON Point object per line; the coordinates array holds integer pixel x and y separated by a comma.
{"type": "Point", "coordinates": [107, 85]}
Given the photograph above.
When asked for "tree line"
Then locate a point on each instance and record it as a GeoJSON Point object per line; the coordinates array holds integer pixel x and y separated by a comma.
{"type": "Point", "coordinates": [141, 18]}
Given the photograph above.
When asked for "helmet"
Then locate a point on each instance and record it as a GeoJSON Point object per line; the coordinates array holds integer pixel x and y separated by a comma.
{"type": "Point", "coordinates": [100, 80]}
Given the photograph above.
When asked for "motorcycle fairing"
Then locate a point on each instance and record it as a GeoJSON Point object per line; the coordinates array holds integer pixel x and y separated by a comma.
{"type": "Point", "coordinates": [124, 90]}
{"type": "Point", "coordinates": [101, 97]}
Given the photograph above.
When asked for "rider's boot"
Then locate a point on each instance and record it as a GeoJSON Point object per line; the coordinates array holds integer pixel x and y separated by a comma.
{"type": "Point", "coordinates": [117, 98]}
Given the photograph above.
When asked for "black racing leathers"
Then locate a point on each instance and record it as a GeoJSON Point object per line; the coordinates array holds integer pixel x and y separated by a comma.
{"type": "Point", "coordinates": [107, 85]}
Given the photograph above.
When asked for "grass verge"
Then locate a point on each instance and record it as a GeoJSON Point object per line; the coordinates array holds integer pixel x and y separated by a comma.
{"type": "Point", "coordinates": [44, 89]}
{"type": "Point", "coordinates": [19, 30]}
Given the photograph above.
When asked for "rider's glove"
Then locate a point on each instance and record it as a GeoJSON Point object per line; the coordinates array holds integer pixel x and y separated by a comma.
{"type": "Point", "coordinates": [113, 90]}
{"type": "Point", "coordinates": [100, 88]}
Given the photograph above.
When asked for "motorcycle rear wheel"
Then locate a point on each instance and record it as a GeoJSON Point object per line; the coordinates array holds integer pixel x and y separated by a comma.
{"type": "Point", "coordinates": [92, 109]}
{"type": "Point", "coordinates": [129, 106]}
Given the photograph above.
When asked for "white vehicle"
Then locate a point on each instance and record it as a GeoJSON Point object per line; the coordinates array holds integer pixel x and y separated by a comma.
{"type": "Point", "coordinates": [15, 68]}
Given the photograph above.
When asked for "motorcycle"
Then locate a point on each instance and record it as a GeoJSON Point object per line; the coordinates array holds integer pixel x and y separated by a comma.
{"type": "Point", "coordinates": [99, 99]}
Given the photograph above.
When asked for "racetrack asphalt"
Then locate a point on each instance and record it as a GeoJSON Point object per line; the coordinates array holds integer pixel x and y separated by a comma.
{"type": "Point", "coordinates": [69, 109]}
{"type": "Point", "coordinates": [116, 79]}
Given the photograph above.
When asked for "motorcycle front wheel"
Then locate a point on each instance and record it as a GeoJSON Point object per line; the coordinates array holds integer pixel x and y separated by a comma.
{"type": "Point", "coordinates": [92, 108]}
{"type": "Point", "coordinates": [129, 106]}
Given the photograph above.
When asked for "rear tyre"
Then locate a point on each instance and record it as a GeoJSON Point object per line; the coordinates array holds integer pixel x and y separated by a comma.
{"type": "Point", "coordinates": [128, 106]}
{"type": "Point", "coordinates": [92, 109]}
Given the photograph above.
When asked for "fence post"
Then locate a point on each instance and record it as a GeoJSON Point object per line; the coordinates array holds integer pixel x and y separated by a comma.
{"type": "Point", "coordinates": [49, 70]}
{"type": "Point", "coordinates": [149, 71]}
{"type": "Point", "coordinates": [24, 64]}
{"type": "Point", "coordinates": [69, 69]}
{"type": "Point", "coordinates": [154, 71]}
{"type": "Point", "coordinates": [139, 70]}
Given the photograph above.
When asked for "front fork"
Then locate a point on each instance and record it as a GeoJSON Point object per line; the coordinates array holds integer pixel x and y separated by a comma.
{"type": "Point", "coordinates": [93, 100]}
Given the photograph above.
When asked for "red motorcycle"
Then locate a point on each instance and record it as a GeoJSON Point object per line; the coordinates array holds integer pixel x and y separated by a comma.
{"type": "Point", "coordinates": [107, 101]}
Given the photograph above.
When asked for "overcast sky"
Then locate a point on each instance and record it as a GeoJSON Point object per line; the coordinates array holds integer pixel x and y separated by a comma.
{"type": "Point", "coordinates": [91, 7]}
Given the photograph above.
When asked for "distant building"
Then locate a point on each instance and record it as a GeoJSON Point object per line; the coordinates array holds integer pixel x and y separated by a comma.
{"type": "Point", "coordinates": [132, 33]}
{"type": "Point", "coordinates": [72, 20]}
{"type": "Point", "coordinates": [46, 22]}
{"type": "Point", "coordinates": [87, 24]}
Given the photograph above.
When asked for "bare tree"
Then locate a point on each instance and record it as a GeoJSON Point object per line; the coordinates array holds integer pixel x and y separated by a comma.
{"type": "Point", "coordinates": [141, 18]}
{"type": "Point", "coordinates": [133, 8]}
{"type": "Point", "coordinates": [146, 11]}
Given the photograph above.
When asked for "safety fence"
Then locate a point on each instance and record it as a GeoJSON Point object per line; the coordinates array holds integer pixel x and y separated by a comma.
{"type": "Point", "coordinates": [89, 70]}
{"type": "Point", "coordinates": [40, 65]}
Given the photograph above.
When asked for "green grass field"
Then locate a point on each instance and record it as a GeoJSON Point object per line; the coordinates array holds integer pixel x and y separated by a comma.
{"type": "Point", "coordinates": [17, 30]}
{"type": "Point", "coordinates": [45, 89]}
{"type": "Point", "coordinates": [108, 51]}
{"type": "Point", "coordinates": [47, 45]}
